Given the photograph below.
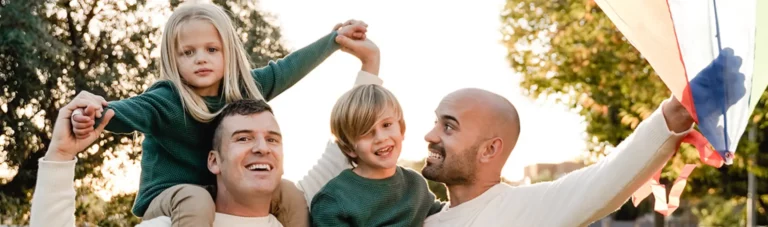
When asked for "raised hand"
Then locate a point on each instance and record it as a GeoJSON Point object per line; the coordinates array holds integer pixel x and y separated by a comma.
{"type": "Point", "coordinates": [365, 50]}
{"type": "Point", "coordinates": [354, 29]}
{"type": "Point", "coordinates": [64, 144]}
{"type": "Point", "coordinates": [83, 119]}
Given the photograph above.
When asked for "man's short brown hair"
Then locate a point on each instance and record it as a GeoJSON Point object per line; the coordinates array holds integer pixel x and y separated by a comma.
{"type": "Point", "coordinates": [243, 107]}
{"type": "Point", "coordinates": [357, 110]}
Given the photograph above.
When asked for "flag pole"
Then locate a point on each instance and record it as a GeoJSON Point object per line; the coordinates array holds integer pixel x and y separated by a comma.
{"type": "Point", "coordinates": [751, 189]}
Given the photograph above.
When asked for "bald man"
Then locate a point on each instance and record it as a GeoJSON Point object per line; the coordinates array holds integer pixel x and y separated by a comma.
{"type": "Point", "coordinates": [477, 130]}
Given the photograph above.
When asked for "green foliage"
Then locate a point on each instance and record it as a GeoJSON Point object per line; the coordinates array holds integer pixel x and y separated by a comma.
{"type": "Point", "coordinates": [717, 211]}
{"type": "Point", "coordinates": [92, 210]}
{"type": "Point", "coordinates": [50, 50]}
{"type": "Point", "coordinates": [571, 50]}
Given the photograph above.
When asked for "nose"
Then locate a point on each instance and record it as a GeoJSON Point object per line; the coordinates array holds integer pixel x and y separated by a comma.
{"type": "Point", "coordinates": [200, 58]}
{"type": "Point", "coordinates": [432, 135]}
{"type": "Point", "coordinates": [260, 147]}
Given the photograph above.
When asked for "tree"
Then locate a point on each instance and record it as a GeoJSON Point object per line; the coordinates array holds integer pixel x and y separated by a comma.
{"type": "Point", "coordinates": [571, 50]}
{"type": "Point", "coordinates": [51, 50]}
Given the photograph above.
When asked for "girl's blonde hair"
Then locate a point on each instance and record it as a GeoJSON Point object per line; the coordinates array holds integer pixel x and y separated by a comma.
{"type": "Point", "coordinates": [356, 111]}
{"type": "Point", "coordinates": [237, 83]}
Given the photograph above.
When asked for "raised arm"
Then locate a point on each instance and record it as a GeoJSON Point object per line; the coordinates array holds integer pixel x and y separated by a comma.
{"type": "Point", "coordinates": [586, 195]}
{"type": "Point", "coordinates": [158, 106]}
{"type": "Point", "coordinates": [332, 162]}
{"type": "Point", "coordinates": [53, 202]}
{"type": "Point", "coordinates": [280, 75]}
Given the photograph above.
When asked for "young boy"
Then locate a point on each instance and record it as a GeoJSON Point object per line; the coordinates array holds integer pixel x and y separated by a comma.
{"type": "Point", "coordinates": [368, 125]}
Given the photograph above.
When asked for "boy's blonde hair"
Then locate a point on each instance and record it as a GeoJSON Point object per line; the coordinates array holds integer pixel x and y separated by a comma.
{"type": "Point", "coordinates": [356, 112]}
{"type": "Point", "coordinates": [237, 83]}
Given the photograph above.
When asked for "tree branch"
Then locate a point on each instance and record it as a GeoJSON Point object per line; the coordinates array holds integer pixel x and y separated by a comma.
{"type": "Point", "coordinates": [90, 14]}
{"type": "Point", "coordinates": [96, 50]}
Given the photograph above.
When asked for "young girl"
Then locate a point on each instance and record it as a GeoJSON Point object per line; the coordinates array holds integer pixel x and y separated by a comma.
{"type": "Point", "coordinates": [368, 125]}
{"type": "Point", "coordinates": [204, 66]}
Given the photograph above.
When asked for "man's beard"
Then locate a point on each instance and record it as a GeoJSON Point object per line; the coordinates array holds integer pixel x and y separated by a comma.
{"type": "Point", "coordinates": [452, 170]}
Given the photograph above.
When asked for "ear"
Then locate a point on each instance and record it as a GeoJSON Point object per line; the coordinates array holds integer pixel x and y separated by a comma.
{"type": "Point", "coordinates": [347, 149]}
{"type": "Point", "coordinates": [351, 154]}
{"type": "Point", "coordinates": [491, 150]}
{"type": "Point", "coordinates": [213, 162]}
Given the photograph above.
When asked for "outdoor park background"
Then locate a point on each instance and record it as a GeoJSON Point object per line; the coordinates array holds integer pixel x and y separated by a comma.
{"type": "Point", "coordinates": [580, 87]}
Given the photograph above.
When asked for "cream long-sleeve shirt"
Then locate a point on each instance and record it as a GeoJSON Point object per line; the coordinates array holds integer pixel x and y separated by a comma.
{"type": "Point", "coordinates": [576, 199]}
{"type": "Point", "coordinates": [53, 202]}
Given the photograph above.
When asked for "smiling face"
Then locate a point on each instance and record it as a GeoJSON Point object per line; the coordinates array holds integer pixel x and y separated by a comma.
{"type": "Point", "coordinates": [453, 143]}
{"type": "Point", "coordinates": [248, 153]}
{"type": "Point", "coordinates": [377, 150]}
{"type": "Point", "coordinates": [474, 134]}
{"type": "Point", "coordinates": [368, 124]}
{"type": "Point", "coordinates": [201, 57]}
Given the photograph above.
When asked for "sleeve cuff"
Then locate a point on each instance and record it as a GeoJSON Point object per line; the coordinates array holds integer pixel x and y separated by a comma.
{"type": "Point", "coordinates": [364, 77]}
{"type": "Point", "coordinates": [55, 175]}
{"type": "Point", "coordinates": [673, 133]}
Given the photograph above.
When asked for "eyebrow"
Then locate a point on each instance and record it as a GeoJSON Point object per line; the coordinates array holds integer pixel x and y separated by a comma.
{"type": "Point", "coordinates": [204, 44]}
{"type": "Point", "coordinates": [450, 118]}
{"type": "Point", "coordinates": [275, 133]}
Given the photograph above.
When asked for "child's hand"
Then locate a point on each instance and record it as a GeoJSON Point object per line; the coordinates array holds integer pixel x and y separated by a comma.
{"type": "Point", "coordinates": [354, 29]}
{"type": "Point", "coordinates": [83, 119]}
{"type": "Point", "coordinates": [365, 50]}
{"type": "Point", "coordinates": [64, 146]}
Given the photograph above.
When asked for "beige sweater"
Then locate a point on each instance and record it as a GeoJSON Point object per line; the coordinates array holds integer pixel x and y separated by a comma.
{"type": "Point", "coordinates": [578, 198]}
{"type": "Point", "coordinates": [53, 202]}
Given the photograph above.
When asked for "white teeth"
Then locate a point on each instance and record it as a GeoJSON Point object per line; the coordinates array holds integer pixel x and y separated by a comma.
{"type": "Point", "coordinates": [383, 150]}
{"type": "Point", "coordinates": [259, 167]}
{"type": "Point", "coordinates": [435, 155]}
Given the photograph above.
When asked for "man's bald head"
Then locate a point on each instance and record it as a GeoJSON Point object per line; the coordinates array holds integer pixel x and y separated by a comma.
{"type": "Point", "coordinates": [496, 113]}
{"type": "Point", "coordinates": [473, 137]}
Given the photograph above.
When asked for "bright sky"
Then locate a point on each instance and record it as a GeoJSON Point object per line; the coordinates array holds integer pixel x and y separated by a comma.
{"type": "Point", "coordinates": [426, 53]}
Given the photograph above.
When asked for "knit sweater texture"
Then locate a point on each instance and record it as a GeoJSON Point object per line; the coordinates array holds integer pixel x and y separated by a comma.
{"type": "Point", "coordinates": [351, 200]}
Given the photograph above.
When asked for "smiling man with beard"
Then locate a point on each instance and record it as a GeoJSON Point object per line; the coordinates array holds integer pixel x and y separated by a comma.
{"type": "Point", "coordinates": [474, 135]}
